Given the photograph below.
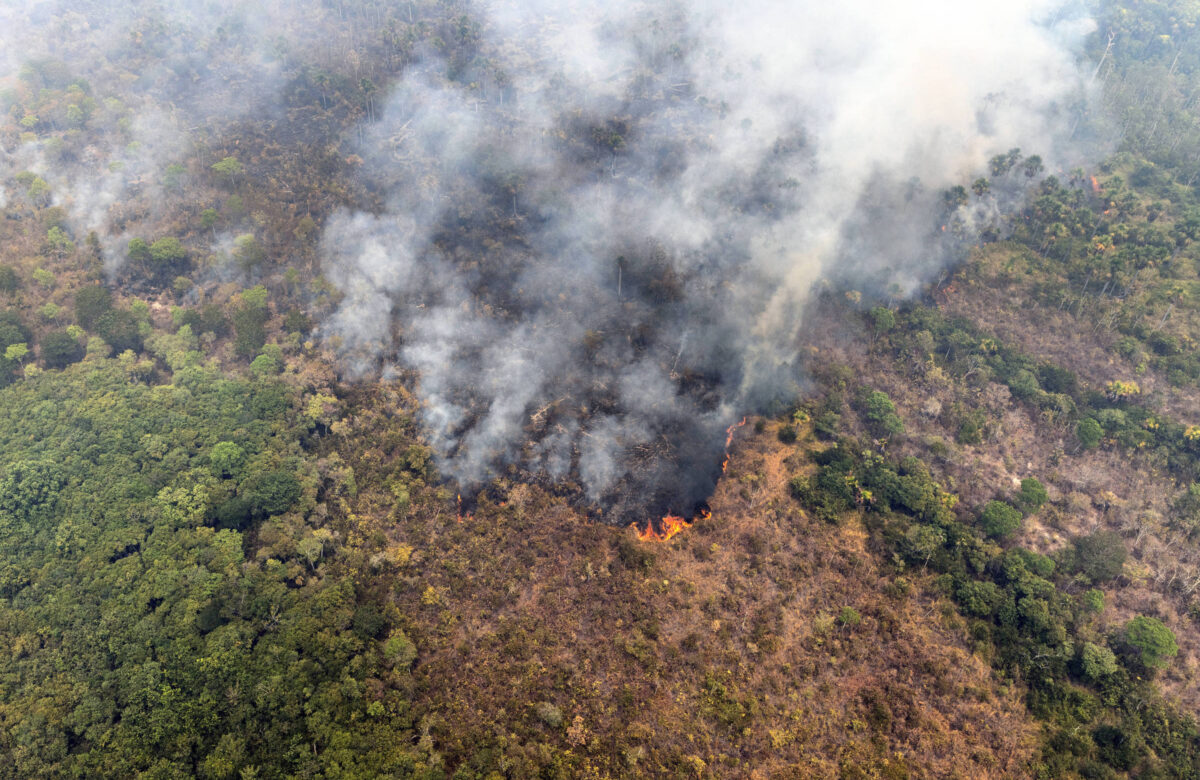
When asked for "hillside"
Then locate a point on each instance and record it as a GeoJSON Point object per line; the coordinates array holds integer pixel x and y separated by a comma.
{"type": "Point", "coordinates": [442, 390]}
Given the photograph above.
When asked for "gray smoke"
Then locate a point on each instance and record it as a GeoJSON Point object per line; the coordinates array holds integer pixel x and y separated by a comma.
{"type": "Point", "coordinates": [599, 238]}
{"type": "Point", "coordinates": [600, 222]}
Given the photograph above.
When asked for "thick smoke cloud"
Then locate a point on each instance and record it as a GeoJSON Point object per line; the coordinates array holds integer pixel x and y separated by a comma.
{"type": "Point", "coordinates": [598, 244]}
{"type": "Point", "coordinates": [602, 221]}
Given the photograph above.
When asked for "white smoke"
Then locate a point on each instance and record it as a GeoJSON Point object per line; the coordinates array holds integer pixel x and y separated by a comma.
{"type": "Point", "coordinates": [599, 243]}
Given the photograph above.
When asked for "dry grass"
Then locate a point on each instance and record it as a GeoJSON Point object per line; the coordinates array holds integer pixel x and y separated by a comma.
{"type": "Point", "coordinates": [718, 654]}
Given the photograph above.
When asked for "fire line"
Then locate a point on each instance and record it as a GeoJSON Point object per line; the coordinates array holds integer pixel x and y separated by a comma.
{"type": "Point", "coordinates": [671, 525]}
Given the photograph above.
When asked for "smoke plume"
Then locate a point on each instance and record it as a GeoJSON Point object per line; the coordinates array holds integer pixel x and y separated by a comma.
{"type": "Point", "coordinates": [601, 221]}
{"type": "Point", "coordinates": [600, 234]}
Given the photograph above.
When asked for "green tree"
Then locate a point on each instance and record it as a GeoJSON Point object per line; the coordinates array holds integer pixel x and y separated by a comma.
{"type": "Point", "coordinates": [977, 598]}
{"type": "Point", "coordinates": [248, 252]}
{"type": "Point", "coordinates": [296, 321]}
{"type": "Point", "coordinates": [305, 228]}
{"type": "Point", "coordinates": [38, 191]}
{"type": "Point", "coordinates": [955, 197]}
{"type": "Point", "coordinates": [208, 219]}
{"type": "Point", "coordinates": [44, 278]}
{"type": "Point", "coordinates": [1092, 600]}
{"type": "Point", "coordinates": [227, 459]}
{"type": "Point", "coordinates": [274, 492]}
{"type": "Point", "coordinates": [264, 366]}
{"type": "Point", "coordinates": [849, 617]}
{"type": "Point", "coordinates": [249, 326]}
{"type": "Point", "coordinates": [881, 414]}
{"type": "Point", "coordinates": [1100, 555]}
{"type": "Point", "coordinates": [167, 252]}
{"type": "Point", "coordinates": [26, 486]}
{"type": "Point", "coordinates": [119, 328]}
{"type": "Point", "coordinates": [152, 637]}
{"type": "Point", "coordinates": [999, 519]}
{"type": "Point", "coordinates": [138, 251]}
{"type": "Point", "coordinates": [12, 330]}
{"type": "Point", "coordinates": [399, 649]}
{"type": "Point", "coordinates": [58, 243]}
{"type": "Point", "coordinates": [255, 296]}
{"type": "Point", "coordinates": [92, 303]}
{"type": "Point", "coordinates": [882, 320]}
{"type": "Point", "coordinates": [923, 542]}
{"type": "Point", "coordinates": [1097, 662]}
{"type": "Point", "coordinates": [173, 175]}
{"type": "Point", "coordinates": [59, 349]}
{"type": "Point", "coordinates": [228, 169]}
{"type": "Point", "coordinates": [1149, 642]}
{"type": "Point", "coordinates": [16, 352]}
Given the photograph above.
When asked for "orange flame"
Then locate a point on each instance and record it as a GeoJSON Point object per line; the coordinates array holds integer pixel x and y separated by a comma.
{"type": "Point", "coordinates": [674, 524]}
{"type": "Point", "coordinates": [671, 525]}
{"type": "Point", "coordinates": [461, 516]}
{"type": "Point", "coordinates": [1095, 185]}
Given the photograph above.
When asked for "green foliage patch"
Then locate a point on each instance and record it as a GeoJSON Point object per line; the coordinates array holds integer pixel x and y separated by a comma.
{"type": "Point", "coordinates": [144, 641]}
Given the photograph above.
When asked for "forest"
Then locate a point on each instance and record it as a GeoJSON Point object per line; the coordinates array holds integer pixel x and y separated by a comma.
{"type": "Point", "coordinates": [467, 391]}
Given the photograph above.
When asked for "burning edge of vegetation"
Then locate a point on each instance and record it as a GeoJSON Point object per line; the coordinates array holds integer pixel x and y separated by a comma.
{"type": "Point", "coordinates": [670, 525]}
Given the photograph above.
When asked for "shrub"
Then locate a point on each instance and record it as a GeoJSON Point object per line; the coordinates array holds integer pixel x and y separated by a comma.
{"type": "Point", "coordinates": [295, 321]}
{"type": "Point", "coordinates": [1093, 600]}
{"type": "Point", "coordinates": [1033, 494]}
{"type": "Point", "coordinates": [971, 427]}
{"type": "Point", "coordinates": [1100, 555]}
{"type": "Point", "coordinates": [399, 650]}
{"type": "Point", "coordinates": [549, 714]}
{"type": "Point", "coordinates": [9, 281]}
{"type": "Point", "coordinates": [1057, 380]}
{"type": "Point", "coordinates": [826, 425]}
{"type": "Point", "coordinates": [1112, 420]}
{"type": "Point", "coordinates": [1024, 385]}
{"type": "Point", "coordinates": [209, 319]}
{"type": "Point", "coordinates": [1089, 433]}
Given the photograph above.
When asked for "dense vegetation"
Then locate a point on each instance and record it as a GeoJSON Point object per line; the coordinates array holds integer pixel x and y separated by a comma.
{"type": "Point", "coordinates": [163, 599]}
{"type": "Point", "coordinates": [1034, 616]}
